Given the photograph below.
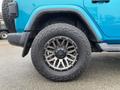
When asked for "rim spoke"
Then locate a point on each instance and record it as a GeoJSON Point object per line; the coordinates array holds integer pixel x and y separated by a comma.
{"type": "Point", "coordinates": [49, 56]}
{"type": "Point", "coordinates": [67, 44]}
{"type": "Point", "coordinates": [66, 61]}
{"type": "Point", "coordinates": [69, 59]}
{"type": "Point", "coordinates": [49, 51]}
{"type": "Point", "coordinates": [71, 47]}
{"type": "Point", "coordinates": [50, 47]}
{"type": "Point", "coordinates": [58, 64]}
{"type": "Point", "coordinates": [62, 63]}
{"type": "Point", "coordinates": [58, 42]}
{"type": "Point", "coordinates": [63, 42]}
{"type": "Point", "coordinates": [54, 62]}
{"type": "Point", "coordinates": [71, 55]}
{"type": "Point", "coordinates": [71, 51]}
{"type": "Point", "coordinates": [54, 45]}
{"type": "Point", "coordinates": [53, 59]}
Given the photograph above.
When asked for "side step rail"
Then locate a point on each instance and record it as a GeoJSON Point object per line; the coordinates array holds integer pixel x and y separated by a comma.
{"type": "Point", "coordinates": [110, 47]}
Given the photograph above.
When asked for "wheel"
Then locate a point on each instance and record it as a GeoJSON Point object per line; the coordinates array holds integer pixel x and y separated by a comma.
{"type": "Point", "coordinates": [3, 35]}
{"type": "Point", "coordinates": [9, 22]}
{"type": "Point", "coordinates": [60, 52]}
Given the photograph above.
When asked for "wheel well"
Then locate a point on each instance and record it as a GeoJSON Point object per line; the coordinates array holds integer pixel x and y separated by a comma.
{"type": "Point", "coordinates": [42, 21]}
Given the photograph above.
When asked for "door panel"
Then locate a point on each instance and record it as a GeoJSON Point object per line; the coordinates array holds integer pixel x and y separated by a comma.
{"type": "Point", "coordinates": [107, 15]}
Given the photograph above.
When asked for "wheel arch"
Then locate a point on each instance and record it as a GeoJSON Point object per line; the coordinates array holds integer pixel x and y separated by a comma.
{"type": "Point", "coordinates": [80, 12]}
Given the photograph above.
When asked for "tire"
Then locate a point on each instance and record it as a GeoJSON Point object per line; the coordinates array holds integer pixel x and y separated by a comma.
{"type": "Point", "coordinates": [63, 30]}
{"type": "Point", "coordinates": [3, 35]}
{"type": "Point", "coordinates": [9, 22]}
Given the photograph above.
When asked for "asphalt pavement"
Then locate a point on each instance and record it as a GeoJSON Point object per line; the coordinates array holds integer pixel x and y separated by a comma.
{"type": "Point", "coordinates": [17, 73]}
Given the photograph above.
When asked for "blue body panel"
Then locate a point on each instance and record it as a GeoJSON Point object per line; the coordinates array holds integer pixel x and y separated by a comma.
{"type": "Point", "coordinates": [105, 30]}
{"type": "Point", "coordinates": [107, 16]}
{"type": "Point", "coordinates": [27, 7]}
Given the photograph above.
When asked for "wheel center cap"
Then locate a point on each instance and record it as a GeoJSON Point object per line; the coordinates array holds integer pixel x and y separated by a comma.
{"type": "Point", "coordinates": [60, 53]}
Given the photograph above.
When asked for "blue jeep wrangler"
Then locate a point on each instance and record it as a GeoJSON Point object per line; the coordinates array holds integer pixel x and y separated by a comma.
{"type": "Point", "coordinates": [63, 33]}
